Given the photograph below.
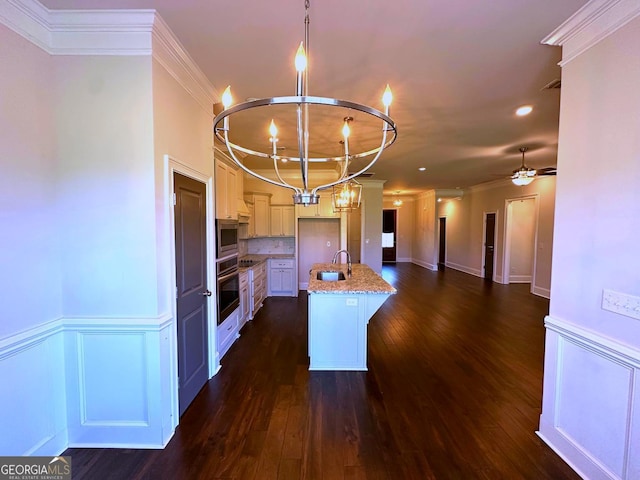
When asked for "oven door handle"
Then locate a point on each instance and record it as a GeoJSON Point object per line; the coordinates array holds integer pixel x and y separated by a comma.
{"type": "Point", "coordinates": [227, 276]}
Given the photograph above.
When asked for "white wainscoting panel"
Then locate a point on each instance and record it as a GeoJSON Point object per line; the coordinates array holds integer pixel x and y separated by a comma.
{"type": "Point", "coordinates": [589, 407]}
{"type": "Point", "coordinates": [119, 383]}
{"type": "Point", "coordinates": [33, 417]}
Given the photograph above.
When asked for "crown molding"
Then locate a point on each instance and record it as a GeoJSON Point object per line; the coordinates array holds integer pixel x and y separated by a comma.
{"type": "Point", "coordinates": [592, 23]}
{"type": "Point", "coordinates": [109, 32]}
{"type": "Point", "coordinates": [29, 19]}
{"type": "Point", "coordinates": [169, 52]}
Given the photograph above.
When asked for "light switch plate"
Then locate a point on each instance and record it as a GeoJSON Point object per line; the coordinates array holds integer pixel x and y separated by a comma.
{"type": "Point", "coordinates": [621, 303]}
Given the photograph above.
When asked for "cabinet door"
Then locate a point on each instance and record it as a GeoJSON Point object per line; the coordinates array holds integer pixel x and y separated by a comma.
{"type": "Point", "coordinates": [276, 221]}
{"type": "Point", "coordinates": [251, 227]}
{"type": "Point", "coordinates": [221, 190]}
{"type": "Point", "coordinates": [275, 280]}
{"type": "Point", "coordinates": [325, 207]}
{"type": "Point", "coordinates": [288, 221]}
{"type": "Point", "coordinates": [244, 304]}
{"type": "Point", "coordinates": [226, 191]}
{"type": "Point", "coordinates": [261, 215]}
{"type": "Point", "coordinates": [286, 280]}
{"type": "Point", "coordinates": [308, 211]}
{"type": "Point", "coordinates": [232, 193]}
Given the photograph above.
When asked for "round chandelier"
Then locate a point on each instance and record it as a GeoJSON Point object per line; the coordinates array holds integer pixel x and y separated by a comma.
{"type": "Point", "coordinates": [523, 175]}
{"type": "Point", "coordinates": [299, 111]}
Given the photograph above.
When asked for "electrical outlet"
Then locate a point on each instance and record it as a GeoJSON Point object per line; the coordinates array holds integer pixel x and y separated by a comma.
{"type": "Point", "coordinates": [621, 303]}
{"type": "Point", "coordinates": [352, 302]}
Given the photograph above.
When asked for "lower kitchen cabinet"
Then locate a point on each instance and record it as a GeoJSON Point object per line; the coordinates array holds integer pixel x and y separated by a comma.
{"type": "Point", "coordinates": [228, 333]}
{"type": "Point", "coordinates": [245, 298]}
{"type": "Point", "coordinates": [258, 287]}
{"type": "Point", "coordinates": [282, 277]}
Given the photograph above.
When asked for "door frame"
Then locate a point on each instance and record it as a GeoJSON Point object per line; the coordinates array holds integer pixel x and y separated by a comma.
{"type": "Point", "coordinates": [444, 264]}
{"type": "Point", "coordinates": [483, 270]}
{"type": "Point", "coordinates": [506, 254]}
{"type": "Point", "coordinates": [173, 165]}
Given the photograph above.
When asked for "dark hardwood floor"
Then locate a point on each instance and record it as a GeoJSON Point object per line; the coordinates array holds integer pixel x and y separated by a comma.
{"type": "Point", "coordinates": [453, 391]}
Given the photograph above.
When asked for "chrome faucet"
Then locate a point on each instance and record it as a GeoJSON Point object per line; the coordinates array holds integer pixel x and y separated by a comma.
{"type": "Point", "coordinates": [335, 259]}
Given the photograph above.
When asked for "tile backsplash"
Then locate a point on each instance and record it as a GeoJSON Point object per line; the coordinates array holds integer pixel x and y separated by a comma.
{"type": "Point", "coordinates": [286, 245]}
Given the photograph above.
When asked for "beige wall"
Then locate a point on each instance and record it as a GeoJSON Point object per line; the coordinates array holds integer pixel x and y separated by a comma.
{"type": "Point", "coordinates": [29, 248]}
{"type": "Point", "coordinates": [424, 245]}
{"type": "Point", "coordinates": [182, 129]}
{"type": "Point", "coordinates": [106, 185]}
{"type": "Point", "coordinates": [371, 235]}
{"type": "Point", "coordinates": [598, 208]}
{"type": "Point", "coordinates": [405, 224]}
{"type": "Point", "coordinates": [465, 227]}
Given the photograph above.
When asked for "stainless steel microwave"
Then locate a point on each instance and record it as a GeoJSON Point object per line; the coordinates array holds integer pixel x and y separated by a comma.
{"type": "Point", "coordinates": [226, 237]}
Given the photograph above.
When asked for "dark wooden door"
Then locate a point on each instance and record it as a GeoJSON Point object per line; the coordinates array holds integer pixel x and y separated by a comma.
{"type": "Point", "coordinates": [489, 245]}
{"type": "Point", "coordinates": [389, 230]}
{"type": "Point", "coordinates": [442, 243]}
{"type": "Point", "coordinates": [192, 292]}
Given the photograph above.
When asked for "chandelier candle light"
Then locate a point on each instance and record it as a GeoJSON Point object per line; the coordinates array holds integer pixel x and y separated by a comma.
{"type": "Point", "coordinates": [296, 109]}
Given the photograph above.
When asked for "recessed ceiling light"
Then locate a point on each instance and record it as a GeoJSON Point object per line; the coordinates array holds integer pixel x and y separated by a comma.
{"type": "Point", "coordinates": [524, 110]}
{"type": "Point", "coordinates": [422, 169]}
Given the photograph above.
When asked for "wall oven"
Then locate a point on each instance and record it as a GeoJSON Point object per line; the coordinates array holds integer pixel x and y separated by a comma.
{"type": "Point", "coordinates": [228, 286]}
{"type": "Point", "coordinates": [226, 237]}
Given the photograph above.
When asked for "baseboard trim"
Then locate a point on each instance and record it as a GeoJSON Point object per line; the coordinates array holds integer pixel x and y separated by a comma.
{"type": "Point", "coordinates": [428, 266]}
{"type": "Point", "coordinates": [463, 268]}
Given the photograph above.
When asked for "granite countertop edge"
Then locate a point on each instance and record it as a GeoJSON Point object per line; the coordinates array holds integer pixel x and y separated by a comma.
{"type": "Point", "coordinates": [363, 280]}
{"type": "Point", "coordinates": [259, 258]}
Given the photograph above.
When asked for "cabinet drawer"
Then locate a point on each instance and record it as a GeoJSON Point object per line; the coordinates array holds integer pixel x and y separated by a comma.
{"type": "Point", "coordinates": [227, 330]}
{"type": "Point", "coordinates": [281, 263]}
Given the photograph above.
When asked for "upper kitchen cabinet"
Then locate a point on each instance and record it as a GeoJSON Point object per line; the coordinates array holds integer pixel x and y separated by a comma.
{"type": "Point", "coordinates": [226, 191]}
{"type": "Point", "coordinates": [324, 208]}
{"type": "Point", "coordinates": [260, 216]}
{"type": "Point", "coordinates": [282, 221]}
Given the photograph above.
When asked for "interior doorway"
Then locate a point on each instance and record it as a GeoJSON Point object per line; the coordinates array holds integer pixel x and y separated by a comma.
{"type": "Point", "coordinates": [442, 242]}
{"type": "Point", "coordinates": [488, 260]}
{"type": "Point", "coordinates": [389, 235]}
{"type": "Point", "coordinates": [192, 294]}
{"type": "Point", "coordinates": [521, 219]}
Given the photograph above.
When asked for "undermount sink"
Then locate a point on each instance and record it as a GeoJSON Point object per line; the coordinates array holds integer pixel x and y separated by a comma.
{"type": "Point", "coordinates": [330, 276]}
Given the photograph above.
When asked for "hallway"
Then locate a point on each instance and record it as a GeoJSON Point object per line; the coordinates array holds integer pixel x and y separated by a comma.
{"type": "Point", "coordinates": [453, 391]}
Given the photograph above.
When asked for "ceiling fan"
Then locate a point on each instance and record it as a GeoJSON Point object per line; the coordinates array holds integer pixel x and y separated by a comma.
{"type": "Point", "coordinates": [525, 175]}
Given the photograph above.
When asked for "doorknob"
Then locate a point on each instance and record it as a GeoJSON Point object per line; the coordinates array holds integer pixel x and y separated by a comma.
{"type": "Point", "coordinates": [206, 293]}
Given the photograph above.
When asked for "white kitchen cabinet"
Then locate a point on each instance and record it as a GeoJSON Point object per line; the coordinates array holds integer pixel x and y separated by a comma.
{"type": "Point", "coordinates": [251, 226]}
{"type": "Point", "coordinates": [245, 298]}
{"type": "Point", "coordinates": [228, 333]}
{"type": "Point", "coordinates": [226, 191]}
{"type": "Point", "coordinates": [261, 213]}
{"type": "Point", "coordinates": [323, 209]}
{"type": "Point", "coordinates": [258, 283]}
{"type": "Point", "coordinates": [282, 221]}
{"type": "Point", "coordinates": [282, 277]}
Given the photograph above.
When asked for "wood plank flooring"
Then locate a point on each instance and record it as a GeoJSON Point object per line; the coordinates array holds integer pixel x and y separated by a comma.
{"type": "Point", "coordinates": [453, 391]}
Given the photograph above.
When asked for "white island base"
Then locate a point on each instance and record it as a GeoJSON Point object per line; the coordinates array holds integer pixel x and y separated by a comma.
{"type": "Point", "coordinates": [339, 313]}
{"type": "Point", "coordinates": [338, 330]}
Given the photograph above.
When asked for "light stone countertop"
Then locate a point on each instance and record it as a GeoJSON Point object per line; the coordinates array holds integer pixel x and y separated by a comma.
{"type": "Point", "coordinates": [363, 280]}
{"type": "Point", "coordinates": [262, 257]}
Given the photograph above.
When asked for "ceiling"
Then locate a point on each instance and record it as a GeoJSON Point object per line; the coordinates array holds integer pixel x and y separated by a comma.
{"type": "Point", "coordinates": [458, 70]}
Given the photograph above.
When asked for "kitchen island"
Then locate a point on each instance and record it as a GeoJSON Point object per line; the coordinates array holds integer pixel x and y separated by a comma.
{"type": "Point", "coordinates": [339, 313]}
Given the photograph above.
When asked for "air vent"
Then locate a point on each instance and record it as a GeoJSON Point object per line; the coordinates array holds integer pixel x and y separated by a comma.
{"type": "Point", "coordinates": [363, 175]}
{"type": "Point", "coordinates": [553, 84]}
